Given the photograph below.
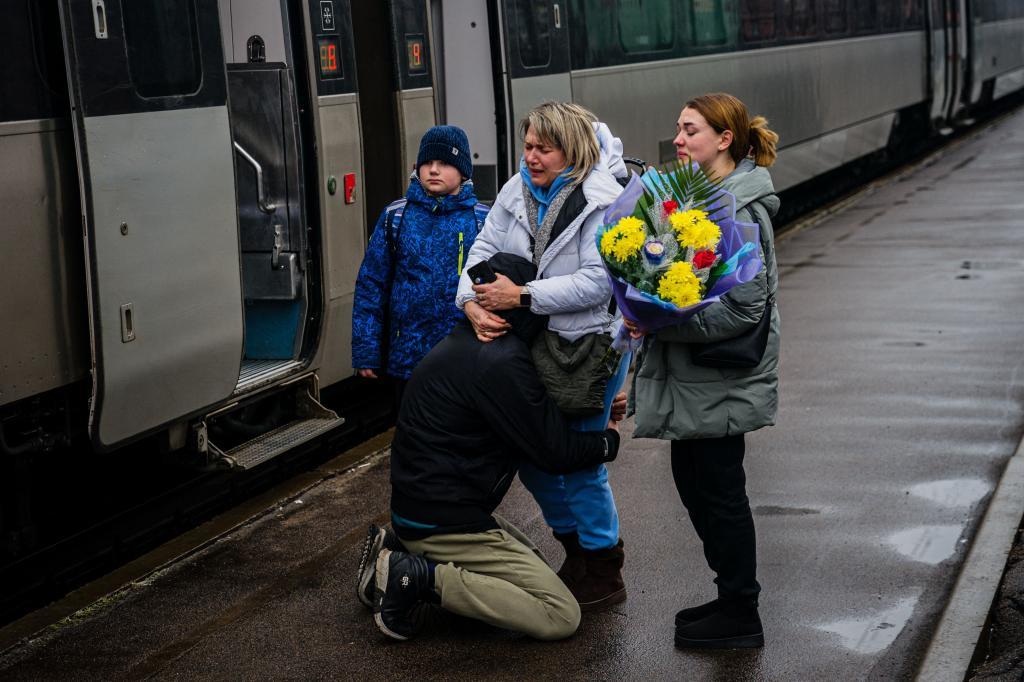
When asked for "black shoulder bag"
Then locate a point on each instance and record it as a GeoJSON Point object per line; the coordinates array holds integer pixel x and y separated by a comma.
{"type": "Point", "coordinates": [740, 352]}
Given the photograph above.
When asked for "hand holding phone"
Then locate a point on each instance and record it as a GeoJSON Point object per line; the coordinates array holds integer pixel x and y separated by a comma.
{"type": "Point", "coordinates": [482, 273]}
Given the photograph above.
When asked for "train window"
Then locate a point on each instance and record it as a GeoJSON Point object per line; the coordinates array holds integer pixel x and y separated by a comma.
{"type": "Point", "coordinates": [864, 15]}
{"type": "Point", "coordinates": [645, 25]}
{"type": "Point", "coordinates": [32, 76]}
{"type": "Point", "coordinates": [708, 22]}
{"type": "Point", "coordinates": [801, 21]}
{"type": "Point", "coordinates": [835, 16]}
{"type": "Point", "coordinates": [889, 12]}
{"type": "Point", "coordinates": [757, 20]}
{"type": "Point", "coordinates": [533, 32]}
{"type": "Point", "coordinates": [163, 47]}
{"type": "Point", "coordinates": [912, 14]}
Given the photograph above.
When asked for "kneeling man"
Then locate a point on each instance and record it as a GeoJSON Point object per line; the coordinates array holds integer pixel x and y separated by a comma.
{"type": "Point", "coordinates": [470, 413]}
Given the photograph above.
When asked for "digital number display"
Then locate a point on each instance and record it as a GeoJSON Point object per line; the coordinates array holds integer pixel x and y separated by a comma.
{"type": "Point", "coordinates": [415, 56]}
{"type": "Point", "coordinates": [330, 57]}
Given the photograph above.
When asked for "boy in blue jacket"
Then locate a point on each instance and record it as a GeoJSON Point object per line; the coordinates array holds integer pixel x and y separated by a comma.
{"type": "Point", "coordinates": [405, 293]}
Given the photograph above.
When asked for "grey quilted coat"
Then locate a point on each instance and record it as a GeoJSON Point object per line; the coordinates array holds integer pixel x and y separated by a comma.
{"type": "Point", "coordinates": [674, 399]}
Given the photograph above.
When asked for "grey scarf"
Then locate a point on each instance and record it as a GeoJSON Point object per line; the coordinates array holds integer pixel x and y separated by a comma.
{"type": "Point", "coordinates": [542, 233]}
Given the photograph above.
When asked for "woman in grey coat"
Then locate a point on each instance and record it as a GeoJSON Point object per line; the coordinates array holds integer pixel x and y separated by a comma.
{"type": "Point", "coordinates": [705, 411]}
{"type": "Point", "coordinates": [549, 213]}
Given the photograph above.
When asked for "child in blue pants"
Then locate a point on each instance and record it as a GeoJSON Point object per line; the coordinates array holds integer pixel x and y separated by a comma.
{"type": "Point", "coordinates": [580, 509]}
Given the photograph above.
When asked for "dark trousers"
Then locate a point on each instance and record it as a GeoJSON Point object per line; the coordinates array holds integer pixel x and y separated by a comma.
{"type": "Point", "coordinates": [709, 476]}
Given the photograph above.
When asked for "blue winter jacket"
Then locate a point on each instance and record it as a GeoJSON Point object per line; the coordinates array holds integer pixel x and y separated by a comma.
{"type": "Point", "coordinates": [431, 238]}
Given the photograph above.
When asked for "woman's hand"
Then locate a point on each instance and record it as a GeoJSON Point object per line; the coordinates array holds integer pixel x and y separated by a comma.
{"type": "Point", "coordinates": [487, 326]}
{"type": "Point", "coordinates": [618, 407]}
{"type": "Point", "coordinates": [501, 294]}
{"type": "Point", "coordinates": [366, 373]}
{"type": "Point", "coordinates": [635, 332]}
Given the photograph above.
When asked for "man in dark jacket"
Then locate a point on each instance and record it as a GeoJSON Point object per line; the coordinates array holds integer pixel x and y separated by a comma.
{"type": "Point", "coordinates": [470, 413]}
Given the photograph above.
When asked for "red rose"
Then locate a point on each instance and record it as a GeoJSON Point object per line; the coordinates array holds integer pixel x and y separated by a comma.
{"type": "Point", "coordinates": [703, 259]}
{"type": "Point", "coordinates": [669, 206]}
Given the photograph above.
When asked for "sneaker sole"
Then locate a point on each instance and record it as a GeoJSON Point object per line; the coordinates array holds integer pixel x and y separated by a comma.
{"type": "Point", "coordinates": [744, 642]}
{"type": "Point", "coordinates": [371, 548]}
{"type": "Point", "coordinates": [386, 630]}
{"type": "Point", "coordinates": [604, 602]}
{"type": "Point", "coordinates": [382, 566]}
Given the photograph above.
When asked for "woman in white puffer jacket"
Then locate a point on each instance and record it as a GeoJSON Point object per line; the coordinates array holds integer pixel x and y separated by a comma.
{"type": "Point", "coordinates": [550, 213]}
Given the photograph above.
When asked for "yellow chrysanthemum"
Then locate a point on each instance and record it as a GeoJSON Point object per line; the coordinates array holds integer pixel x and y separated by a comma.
{"type": "Point", "coordinates": [679, 286]}
{"type": "Point", "coordinates": [625, 240]}
{"type": "Point", "coordinates": [693, 229]}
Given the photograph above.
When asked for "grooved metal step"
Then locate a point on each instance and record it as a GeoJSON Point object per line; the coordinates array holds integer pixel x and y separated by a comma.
{"type": "Point", "coordinates": [315, 421]}
{"type": "Point", "coordinates": [256, 372]}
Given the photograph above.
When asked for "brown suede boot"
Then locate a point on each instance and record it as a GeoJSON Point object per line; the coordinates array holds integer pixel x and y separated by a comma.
{"type": "Point", "coordinates": [602, 586]}
{"type": "Point", "coordinates": [574, 568]}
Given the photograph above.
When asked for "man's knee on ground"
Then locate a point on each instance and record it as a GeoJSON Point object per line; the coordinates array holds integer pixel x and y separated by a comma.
{"type": "Point", "coordinates": [563, 621]}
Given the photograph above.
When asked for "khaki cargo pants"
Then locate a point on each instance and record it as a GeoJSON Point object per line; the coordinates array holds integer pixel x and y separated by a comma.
{"type": "Point", "coordinates": [500, 577]}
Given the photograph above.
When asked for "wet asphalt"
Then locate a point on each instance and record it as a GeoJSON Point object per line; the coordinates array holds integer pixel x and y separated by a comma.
{"type": "Point", "coordinates": [902, 397]}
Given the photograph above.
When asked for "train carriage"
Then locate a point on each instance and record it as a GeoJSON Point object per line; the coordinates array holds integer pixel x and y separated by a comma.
{"type": "Point", "coordinates": [187, 186]}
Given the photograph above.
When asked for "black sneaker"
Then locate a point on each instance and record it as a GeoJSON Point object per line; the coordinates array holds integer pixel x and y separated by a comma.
{"type": "Point", "coordinates": [403, 581]}
{"type": "Point", "coordinates": [733, 626]}
{"type": "Point", "coordinates": [377, 538]}
{"type": "Point", "coordinates": [695, 613]}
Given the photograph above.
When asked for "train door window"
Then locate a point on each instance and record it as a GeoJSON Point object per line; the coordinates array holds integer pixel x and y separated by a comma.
{"type": "Point", "coordinates": [757, 20]}
{"type": "Point", "coordinates": [889, 15]}
{"type": "Point", "coordinates": [912, 14]}
{"type": "Point", "coordinates": [533, 32]}
{"type": "Point", "coordinates": [645, 25]}
{"type": "Point", "coordinates": [32, 77]}
{"type": "Point", "coordinates": [594, 35]}
{"type": "Point", "coordinates": [865, 16]}
{"type": "Point", "coordinates": [835, 17]}
{"type": "Point", "coordinates": [709, 22]}
{"type": "Point", "coordinates": [800, 17]}
{"type": "Point", "coordinates": [163, 47]}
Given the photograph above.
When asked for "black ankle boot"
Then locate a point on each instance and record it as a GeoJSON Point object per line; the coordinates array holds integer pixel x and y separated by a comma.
{"type": "Point", "coordinates": [695, 613]}
{"type": "Point", "coordinates": [735, 625]}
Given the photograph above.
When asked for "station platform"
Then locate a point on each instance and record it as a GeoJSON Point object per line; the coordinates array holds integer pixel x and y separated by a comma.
{"type": "Point", "coordinates": [902, 400]}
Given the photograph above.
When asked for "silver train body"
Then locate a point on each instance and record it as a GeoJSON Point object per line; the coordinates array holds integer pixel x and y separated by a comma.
{"type": "Point", "coordinates": [187, 190]}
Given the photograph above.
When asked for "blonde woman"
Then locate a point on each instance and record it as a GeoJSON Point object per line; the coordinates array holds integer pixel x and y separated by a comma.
{"type": "Point", "coordinates": [549, 213]}
{"type": "Point", "coordinates": [705, 411]}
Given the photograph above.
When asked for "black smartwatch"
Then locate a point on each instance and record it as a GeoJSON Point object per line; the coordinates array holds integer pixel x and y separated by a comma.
{"type": "Point", "coordinates": [525, 300]}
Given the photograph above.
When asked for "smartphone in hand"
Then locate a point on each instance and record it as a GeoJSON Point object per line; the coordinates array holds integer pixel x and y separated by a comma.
{"type": "Point", "coordinates": [482, 273]}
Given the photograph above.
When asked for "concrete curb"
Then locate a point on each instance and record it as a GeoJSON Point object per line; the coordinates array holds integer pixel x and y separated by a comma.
{"type": "Point", "coordinates": [956, 637]}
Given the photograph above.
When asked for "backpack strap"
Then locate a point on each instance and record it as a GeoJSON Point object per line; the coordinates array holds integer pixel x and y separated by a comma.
{"type": "Point", "coordinates": [392, 214]}
{"type": "Point", "coordinates": [480, 213]}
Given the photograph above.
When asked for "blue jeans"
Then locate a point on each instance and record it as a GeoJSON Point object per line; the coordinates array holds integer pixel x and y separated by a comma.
{"type": "Point", "coordinates": [582, 501]}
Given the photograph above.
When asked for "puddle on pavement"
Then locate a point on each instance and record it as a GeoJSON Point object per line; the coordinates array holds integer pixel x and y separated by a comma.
{"type": "Point", "coordinates": [875, 632]}
{"type": "Point", "coordinates": [957, 492]}
{"type": "Point", "coordinates": [928, 544]}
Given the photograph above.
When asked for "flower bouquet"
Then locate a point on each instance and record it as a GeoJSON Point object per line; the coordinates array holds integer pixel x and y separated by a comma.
{"type": "Point", "coordinates": [672, 246]}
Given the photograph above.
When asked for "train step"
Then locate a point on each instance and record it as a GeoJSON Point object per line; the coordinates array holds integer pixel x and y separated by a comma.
{"type": "Point", "coordinates": [314, 420]}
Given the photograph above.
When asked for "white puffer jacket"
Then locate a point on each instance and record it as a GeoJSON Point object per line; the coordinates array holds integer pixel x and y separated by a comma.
{"type": "Point", "coordinates": [571, 285]}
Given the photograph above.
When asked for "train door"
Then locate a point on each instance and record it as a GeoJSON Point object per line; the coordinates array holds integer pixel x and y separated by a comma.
{"type": "Point", "coordinates": [948, 57]}
{"type": "Point", "coordinates": [461, 41]}
{"type": "Point", "coordinates": [396, 95]}
{"type": "Point", "coordinates": [337, 178]}
{"type": "Point", "coordinates": [264, 112]}
{"type": "Point", "coordinates": [535, 47]}
{"type": "Point", "coordinates": [156, 169]}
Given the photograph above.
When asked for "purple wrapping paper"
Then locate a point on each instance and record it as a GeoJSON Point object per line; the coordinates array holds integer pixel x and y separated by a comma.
{"type": "Point", "coordinates": [740, 244]}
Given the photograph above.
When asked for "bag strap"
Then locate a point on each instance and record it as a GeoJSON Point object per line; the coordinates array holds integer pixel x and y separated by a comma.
{"type": "Point", "coordinates": [390, 231]}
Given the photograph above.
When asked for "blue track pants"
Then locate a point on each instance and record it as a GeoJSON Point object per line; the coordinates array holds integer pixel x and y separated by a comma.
{"type": "Point", "coordinates": [582, 501]}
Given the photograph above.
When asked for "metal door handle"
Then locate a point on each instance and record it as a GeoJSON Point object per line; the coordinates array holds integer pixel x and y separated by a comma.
{"type": "Point", "coordinates": [261, 197]}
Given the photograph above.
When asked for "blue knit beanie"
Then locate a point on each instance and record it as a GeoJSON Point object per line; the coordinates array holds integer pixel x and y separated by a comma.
{"type": "Point", "coordinates": [448, 144]}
